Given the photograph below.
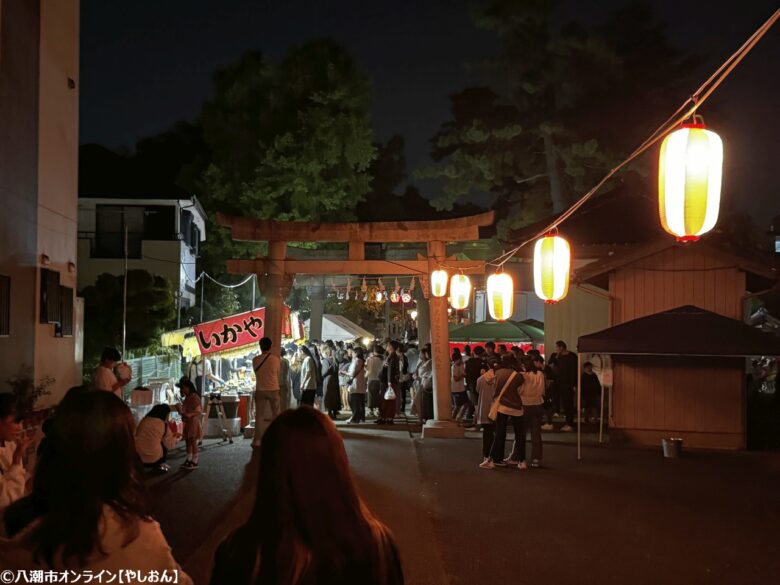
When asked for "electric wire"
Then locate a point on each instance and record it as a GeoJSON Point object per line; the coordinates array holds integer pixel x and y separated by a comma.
{"type": "Point", "coordinates": [688, 109]}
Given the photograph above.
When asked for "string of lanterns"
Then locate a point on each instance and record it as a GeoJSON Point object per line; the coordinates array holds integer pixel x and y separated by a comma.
{"type": "Point", "coordinates": [689, 185]}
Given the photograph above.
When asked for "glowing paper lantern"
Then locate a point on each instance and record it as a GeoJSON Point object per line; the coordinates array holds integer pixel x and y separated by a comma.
{"type": "Point", "coordinates": [406, 297]}
{"type": "Point", "coordinates": [689, 178]}
{"type": "Point", "coordinates": [413, 314]}
{"type": "Point", "coordinates": [395, 297]}
{"type": "Point", "coordinates": [501, 296]}
{"type": "Point", "coordinates": [378, 296]}
{"type": "Point", "coordinates": [460, 291]}
{"type": "Point", "coordinates": [552, 261]}
{"type": "Point", "coordinates": [439, 280]}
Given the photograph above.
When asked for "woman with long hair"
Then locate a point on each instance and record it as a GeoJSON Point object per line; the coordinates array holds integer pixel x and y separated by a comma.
{"type": "Point", "coordinates": [88, 509]}
{"type": "Point", "coordinates": [298, 534]}
{"type": "Point", "coordinates": [153, 438]}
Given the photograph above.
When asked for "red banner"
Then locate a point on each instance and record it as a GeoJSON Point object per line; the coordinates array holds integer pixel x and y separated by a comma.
{"type": "Point", "coordinates": [231, 332]}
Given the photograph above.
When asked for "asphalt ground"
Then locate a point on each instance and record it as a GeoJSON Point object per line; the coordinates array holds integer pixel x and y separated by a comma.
{"type": "Point", "coordinates": [619, 516]}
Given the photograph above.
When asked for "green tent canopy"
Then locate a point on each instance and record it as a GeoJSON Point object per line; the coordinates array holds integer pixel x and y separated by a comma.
{"type": "Point", "coordinates": [529, 331]}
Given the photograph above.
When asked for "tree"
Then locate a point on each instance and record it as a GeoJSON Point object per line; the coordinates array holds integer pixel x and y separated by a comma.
{"type": "Point", "coordinates": [548, 126]}
{"type": "Point", "coordinates": [150, 311]}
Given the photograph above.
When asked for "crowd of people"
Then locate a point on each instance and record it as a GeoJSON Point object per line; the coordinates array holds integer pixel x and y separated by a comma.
{"type": "Point", "coordinates": [85, 507]}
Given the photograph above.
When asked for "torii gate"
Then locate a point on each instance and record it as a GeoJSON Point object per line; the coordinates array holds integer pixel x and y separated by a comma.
{"type": "Point", "coordinates": [275, 274]}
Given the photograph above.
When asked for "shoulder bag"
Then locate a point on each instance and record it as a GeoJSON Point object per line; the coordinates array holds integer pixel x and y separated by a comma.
{"type": "Point", "coordinates": [493, 414]}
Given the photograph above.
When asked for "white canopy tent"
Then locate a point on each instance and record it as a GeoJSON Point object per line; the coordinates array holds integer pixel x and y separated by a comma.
{"type": "Point", "coordinates": [339, 328]}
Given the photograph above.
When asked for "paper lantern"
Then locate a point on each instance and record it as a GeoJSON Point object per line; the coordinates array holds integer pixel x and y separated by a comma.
{"type": "Point", "coordinates": [395, 297]}
{"type": "Point", "coordinates": [501, 296]}
{"type": "Point", "coordinates": [439, 280]}
{"type": "Point", "coordinates": [460, 291]}
{"type": "Point", "coordinates": [689, 179]}
{"type": "Point", "coordinates": [406, 297]}
{"type": "Point", "coordinates": [413, 314]}
{"type": "Point", "coordinates": [552, 261]}
{"type": "Point", "coordinates": [378, 296]}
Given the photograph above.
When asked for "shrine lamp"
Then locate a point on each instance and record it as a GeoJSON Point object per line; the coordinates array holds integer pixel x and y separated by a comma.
{"type": "Point", "coordinates": [439, 280]}
{"type": "Point", "coordinates": [552, 262]}
{"type": "Point", "coordinates": [689, 180]}
{"type": "Point", "coordinates": [501, 296]}
{"type": "Point", "coordinates": [460, 291]}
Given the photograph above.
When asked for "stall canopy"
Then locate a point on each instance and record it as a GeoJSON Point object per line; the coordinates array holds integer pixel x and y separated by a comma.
{"type": "Point", "coordinates": [339, 328]}
{"type": "Point", "coordinates": [686, 330]}
{"type": "Point", "coordinates": [508, 331]}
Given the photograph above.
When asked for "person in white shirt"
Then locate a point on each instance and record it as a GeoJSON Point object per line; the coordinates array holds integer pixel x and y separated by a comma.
{"type": "Point", "coordinates": [374, 365]}
{"type": "Point", "coordinates": [105, 379]}
{"type": "Point", "coordinates": [267, 367]}
{"type": "Point", "coordinates": [95, 516]}
{"type": "Point", "coordinates": [12, 448]}
{"type": "Point", "coordinates": [357, 386]}
{"type": "Point", "coordinates": [202, 375]}
{"type": "Point", "coordinates": [153, 438]}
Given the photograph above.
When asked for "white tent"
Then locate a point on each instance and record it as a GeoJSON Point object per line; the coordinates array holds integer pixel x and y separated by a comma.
{"type": "Point", "coordinates": [339, 328]}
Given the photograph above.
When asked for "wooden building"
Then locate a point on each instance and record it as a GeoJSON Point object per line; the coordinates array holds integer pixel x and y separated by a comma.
{"type": "Point", "coordinates": [701, 399]}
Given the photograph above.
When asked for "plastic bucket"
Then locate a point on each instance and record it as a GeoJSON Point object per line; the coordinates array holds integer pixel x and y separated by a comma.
{"type": "Point", "coordinates": [672, 447]}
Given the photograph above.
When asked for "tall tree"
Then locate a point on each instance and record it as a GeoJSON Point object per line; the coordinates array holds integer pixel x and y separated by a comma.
{"type": "Point", "coordinates": [150, 311]}
{"type": "Point", "coordinates": [549, 124]}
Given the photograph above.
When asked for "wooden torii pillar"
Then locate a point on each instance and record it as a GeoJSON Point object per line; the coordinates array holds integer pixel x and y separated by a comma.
{"type": "Point", "coordinates": [276, 272]}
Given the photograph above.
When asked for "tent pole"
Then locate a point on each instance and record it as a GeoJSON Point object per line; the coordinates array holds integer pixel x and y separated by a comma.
{"type": "Point", "coordinates": [601, 416]}
{"type": "Point", "coordinates": [579, 407]}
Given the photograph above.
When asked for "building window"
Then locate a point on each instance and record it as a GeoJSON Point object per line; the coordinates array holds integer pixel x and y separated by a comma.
{"type": "Point", "coordinates": [65, 327]}
{"type": "Point", "coordinates": [110, 224]}
{"type": "Point", "coordinates": [160, 222]}
{"type": "Point", "coordinates": [50, 296]}
{"type": "Point", "coordinates": [5, 306]}
{"type": "Point", "coordinates": [194, 239]}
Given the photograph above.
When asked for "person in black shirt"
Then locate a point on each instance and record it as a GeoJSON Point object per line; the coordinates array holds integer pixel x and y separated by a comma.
{"type": "Point", "coordinates": [564, 368]}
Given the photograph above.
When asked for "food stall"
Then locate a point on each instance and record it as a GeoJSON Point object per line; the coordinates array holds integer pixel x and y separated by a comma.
{"type": "Point", "coordinates": [230, 344]}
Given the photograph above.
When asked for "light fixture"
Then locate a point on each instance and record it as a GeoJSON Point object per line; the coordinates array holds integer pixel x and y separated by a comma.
{"type": "Point", "coordinates": [439, 280]}
{"type": "Point", "coordinates": [460, 291]}
{"type": "Point", "coordinates": [406, 298]}
{"type": "Point", "coordinates": [378, 296]}
{"type": "Point", "coordinates": [395, 297]}
{"type": "Point", "coordinates": [689, 181]}
{"type": "Point", "coordinates": [413, 314]}
{"type": "Point", "coordinates": [501, 296]}
{"type": "Point", "coordinates": [552, 261]}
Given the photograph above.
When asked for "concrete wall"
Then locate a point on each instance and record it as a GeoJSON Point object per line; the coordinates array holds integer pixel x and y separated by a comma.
{"type": "Point", "coordinates": [38, 178]}
{"type": "Point", "coordinates": [58, 125]}
{"type": "Point", "coordinates": [19, 58]}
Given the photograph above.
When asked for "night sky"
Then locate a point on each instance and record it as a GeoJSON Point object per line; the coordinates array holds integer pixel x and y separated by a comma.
{"type": "Point", "coordinates": [146, 64]}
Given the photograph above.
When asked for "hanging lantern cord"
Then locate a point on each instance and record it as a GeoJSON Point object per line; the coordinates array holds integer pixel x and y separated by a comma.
{"type": "Point", "coordinates": [684, 112]}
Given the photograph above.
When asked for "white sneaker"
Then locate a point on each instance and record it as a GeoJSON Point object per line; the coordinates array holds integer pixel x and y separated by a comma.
{"type": "Point", "coordinates": [522, 465]}
{"type": "Point", "coordinates": [487, 464]}
{"type": "Point", "coordinates": [567, 428]}
{"type": "Point", "coordinates": [509, 461]}
{"type": "Point", "coordinates": [547, 427]}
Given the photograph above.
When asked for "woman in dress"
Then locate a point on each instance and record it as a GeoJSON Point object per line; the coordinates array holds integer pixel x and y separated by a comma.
{"type": "Point", "coordinates": [331, 400]}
